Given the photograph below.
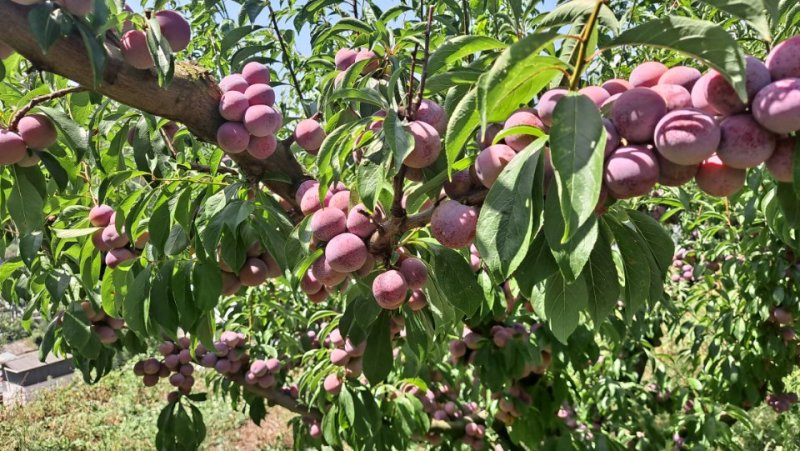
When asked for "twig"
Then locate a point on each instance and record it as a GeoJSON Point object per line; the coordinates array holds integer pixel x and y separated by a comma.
{"type": "Point", "coordinates": [355, 9]}
{"type": "Point", "coordinates": [410, 101]}
{"type": "Point", "coordinates": [20, 113]}
{"type": "Point", "coordinates": [426, 55]}
{"type": "Point", "coordinates": [585, 35]}
{"type": "Point", "coordinates": [223, 169]}
{"type": "Point", "coordinates": [465, 10]}
{"type": "Point", "coordinates": [397, 202]}
{"type": "Point", "coordinates": [286, 58]}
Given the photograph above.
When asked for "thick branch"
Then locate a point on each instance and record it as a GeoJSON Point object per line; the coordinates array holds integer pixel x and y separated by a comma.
{"type": "Point", "coordinates": [192, 98]}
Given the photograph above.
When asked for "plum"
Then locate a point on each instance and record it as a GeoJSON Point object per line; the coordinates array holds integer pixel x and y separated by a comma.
{"type": "Point", "coordinates": [319, 296]}
{"type": "Point", "coordinates": [616, 86]}
{"type": "Point", "coordinates": [547, 104]}
{"type": "Point", "coordinates": [680, 75]}
{"type": "Point", "coordinates": [106, 335]}
{"type": "Point", "coordinates": [233, 82]}
{"type": "Point", "coordinates": [345, 58]}
{"type": "Point", "coordinates": [723, 98]}
{"type": "Point", "coordinates": [262, 120]}
{"type": "Point", "coordinates": [783, 60]}
{"type": "Point", "coordinates": [230, 283]}
{"type": "Point", "coordinates": [777, 106]}
{"type": "Point", "coordinates": [389, 289]}
{"type": "Point", "coordinates": [100, 215]}
{"type": "Point", "coordinates": [367, 267]}
{"type": "Point", "coordinates": [687, 137]}
{"type": "Point", "coordinates": [253, 273]}
{"type": "Point", "coordinates": [260, 94]}
{"type": "Point", "coordinates": [255, 73]}
{"type": "Point", "coordinates": [328, 222]}
{"type": "Point", "coordinates": [38, 131]}
{"type": "Point", "coordinates": [112, 238]}
{"type": "Point", "coordinates": [491, 161]}
{"type": "Point", "coordinates": [415, 272]}
{"type": "Point", "coordinates": [427, 145]}
{"type": "Point", "coordinates": [780, 164]}
{"type": "Point", "coordinates": [262, 147]}
{"type": "Point", "coordinates": [453, 224]}
{"type": "Point", "coordinates": [175, 29]}
{"type": "Point", "coordinates": [119, 256]}
{"type": "Point", "coordinates": [671, 174]}
{"type": "Point", "coordinates": [309, 135]}
{"type": "Point", "coordinates": [744, 143]}
{"type": "Point", "coordinates": [340, 201]}
{"type": "Point", "coordinates": [332, 384]}
{"type": "Point", "coordinates": [417, 301]}
{"type": "Point", "coordinates": [322, 271]}
{"type": "Point", "coordinates": [488, 136]}
{"type": "Point", "coordinates": [232, 105]}
{"type": "Point", "coordinates": [700, 97]}
{"type": "Point", "coordinates": [636, 113]}
{"type": "Point", "coordinates": [647, 74]}
{"type": "Point", "coordinates": [359, 222]}
{"type": "Point", "coordinates": [233, 137]}
{"type": "Point", "coordinates": [309, 284]}
{"type": "Point", "coordinates": [339, 357]}
{"type": "Point", "coordinates": [676, 96]}
{"type": "Point", "coordinates": [596, 94]}
{"type": "Point", "coordinates": [431, 113]}
{"type": "Point", "coordinates": [460, 185]}
{"type": "Point", "coordinates": [717, 179]}
{"type": "Point", "coordinates": [631, 171]}
{"type": "Point", "coordinates": [367, 54]}
{"type": "Point", "coordinates": [346, 253]}
{"type": "Point", "coordinates": [133, 47]}
{"type": "Point", "coordinates": [612, 140]}
{"type": "Point", "coordinates": [523, 116]}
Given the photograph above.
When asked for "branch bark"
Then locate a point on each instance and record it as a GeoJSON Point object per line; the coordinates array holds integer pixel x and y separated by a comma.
{"type": "Point", "coordinates": [192, 98]}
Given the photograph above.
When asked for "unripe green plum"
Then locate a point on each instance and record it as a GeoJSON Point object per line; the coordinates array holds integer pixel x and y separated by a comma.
{"type": "Point", "coordinates": [631, 171]}
{"type": "Point", "coordinates": [717, 179]}
{"type": "Point", "coordinates": [427, 145]}
{"type": "Point", "coordinates": [359, 222]}
{"type": "Point", "coordinates": [491, 161]}
{"type": "Point", "coordinates": [262, 120]}
{"type": "Point", "coordinates": [723, 97]}
{"type": "Point", "coordinates": [777, 106]}
{"type": "Point", "coordinates": [675, 96]}
{"type": "Point", "coordinates": [175, 29]}
{"type": "Point", "coordinates": [309, 135]}
{"type": "Point", "coordinates": [38, 131]}
{"type": "Point", "coordinates": [233, 137]}
{"type": "Point", "coordinates": [687, 137]}
{"type": "Point", "coordinates": [389, 289]}
{"type": "Point", "coordinates": [332, 384]}
{"type": "Point", "coordinates": [523, 116]}
{"type": "Point", "coordinates": [262, 147]}
{"type": "Point", "coordinates": [417, 301]}
{"type": "Point", "coordinates": [112, 238]}
{"type": "Point", "coordinates": [744, 143]}
{"type": "Point", "coordinates": [783, 60]}
{"type": "Point", "coordinates": [647, 74]}
{"type": "Point", "coordinates": [100, 215]}
{"type": "Point", "coordinates": [133, 47]}
{"type": "Point", "coordinates": [547, 104]}
{"type": "Point", "coordinates": [346, 253]}
{"type": "Point", "coordinates": [328, 222]}
{"type": "Point", "coordinates": [616, 86]}
{"type": "Point", "coordinates": [636, 113]}
{"type": "Point", "coordinates": [253, 273]}
{"type": "Point", "coordinates": [339, 357]}
{"type": "Point", "coordinates": [12, 148]}
{"type": "Point", "coordinates": [671, 174]}
{"type": "Point", "coordinates": [431, 113]}
{"type": "Point", "coordinates": [256, 73]}
{"type": "Point", "coordinates": [415, 272]}
{"type": "Point", "coordinates": [322, 271]}
{"type": "Point", "coordinates": [232, 106]}
{"type": "Point", "coordinates": [680, 75]}
{"type": "Point", "coordinates": [596, 94]}
{"type": "Point", "coordinates": [345, 58]}
{"type": "Point", "coordinates": [780, 163]}
{"type": "Point", "coordinates": [700, 97]}
{"type": "Point", "coordinates": [230, 283]}
{"type": "Point", "coordinates": [453, 224]}
{"type": "Point", "coordinates": [233, 82]}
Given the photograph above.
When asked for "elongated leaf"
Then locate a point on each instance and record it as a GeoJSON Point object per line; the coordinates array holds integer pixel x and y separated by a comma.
{"type": "Point", "coordinates": [577, 143]}
{"type": "Point", "coordinates": [572, 255]}
{"type": "Point", "coordinates": [378, 354]}
{"type": "Point", "coordinates": [602, 283]}
{"type": "Point", "coordinates": [137, 302]}
{"type": "Point", "coordinates": [563, 302]}
{"type": "Point", "coordinates": [537, 266]}
{"type": "Point", "coordinates": [233, 37]}
{"type": "Point", "coordinates": [509, 213]}
{"type": "Point", "coordinates": [456, 280]}
{"type": "Point", "coordinates": [752, 11]}
{"type": "Point", "coordinates": [95, 51]}
{"type": "Point", "coordinates": [399, 139]}
{"type": "Point", "coordinates": [458, 47]}
{"type": "Point", "coordinates": [25, 202]}
{"type": "Point", "coordinates": [364, 95]}
{"type": "Point", "coordinates": [700, 39]}
{"type": "Point", "coordinates": [635, 259]}
{"type": "Point", "coordinates": [461, 126]}
{"type": "Point", "coordinates": [569, 12]}
{"type": "Point", "coordinates": [658, 239]}
{"type": "Point", "coordinates": [159, 49]}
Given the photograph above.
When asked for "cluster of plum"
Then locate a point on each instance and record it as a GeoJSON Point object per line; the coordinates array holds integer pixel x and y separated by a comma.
{"type": "Point", "coordinates": [440, 402]}
{"type": "Point", "coordinates": [511, 403]}
{"type": "Point", "coordinates": [684, 269]}
{"type": "Point", "coordinates": [784, 320]}
{"type": "Point", "coordinates": [259, 266]}
{"type": "Point", "coordinates": [174, 28]}
{"type": "Point", "coordinates": [112, 241]}
{"type": "Point", "coordinates": [229, 356]}
{"type": "Point", "coordinates": [34, 132]}
{"type": "Point", "coordinates": [176, 366]}
{"type": "Point", "coordinates": [781, 402]}
{"type": "Point", "coordinates": [346, 354]}
{"type": "Point", "coordinates": [104, 326]}
{"type": "Point", "coordinates": [465, 349]}
{"type": "Point", "coordinates": [247, 104]}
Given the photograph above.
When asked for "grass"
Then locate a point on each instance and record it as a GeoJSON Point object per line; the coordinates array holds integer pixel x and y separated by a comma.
{"type": "Point", "coordinates": [119, 413]}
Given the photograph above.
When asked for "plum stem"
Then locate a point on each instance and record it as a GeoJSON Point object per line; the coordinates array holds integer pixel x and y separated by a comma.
{"type": "Point", "coordinates": [20, 113]}
{"type": "Point", "coordinates": [580, 62]}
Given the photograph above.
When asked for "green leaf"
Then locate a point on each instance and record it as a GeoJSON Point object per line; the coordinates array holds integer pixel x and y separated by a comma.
{"type": "Point", "coordinates": [378, 358]}
{"type": "Point", "coordinates": [233, 37]}
{"type": "Point", "coordinates": [572, 255]}
{"type": "Point", "coordinates": [635, 258]}
{"type": "Point", "coordinates": [95, 51]}
{"type": "Point", "coordinates": [77, 330]}
{"type": "Point", "coordinates": [457, 281]}
{"type": "Point", "coordinates": [602, 283]}
{"type": "Point", "coordinates": [25, 203]}
{"type": "Point", "coordinates": [365, 95]}
{"type": "Point", "coordinates": [752, 11]}
{"type": "Point", "coordinates": [73, 135]}
{"type": "Point", "coordinates": [398, 138]}
{"type": "Point", "coordinates": [563, 302]}
{"type": "Point", "coordinates": [46, 25]}
{"type": "Point", "coordinates": [207, 280]}
{"type": "Point", "coordinates": [577, 144]}
{"type": "Point", "coordinates": [459, 47]}
{"type": "Point", "coordinates": [159, 48]}
{"type": "Point", "coordinates": [578, 10]}
{"type": "Point", "coordinates": [29, 246]}
{"type": "Point", "coordinates": [657, 237]}
{"type": "Point", "coordinates": [510, 213]}
{"type": "Point", "coordinates": [137, 301]}
{"type": "Point", "coordinates": [537, 266]}
{"type": "Point", "coordinates": [461, 125]}
{"type": "Point", "coordinates": [700, 39]}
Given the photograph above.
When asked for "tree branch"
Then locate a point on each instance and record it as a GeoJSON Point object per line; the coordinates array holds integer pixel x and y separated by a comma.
{"type": "Point", "coordinates": [287, 60]}
{"type": "Point", "coordinates": [192, 98]}
{"type": "Point", "coordinates": [425, 57]}
{"type": "Point", "coordinates": [20, 113]}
